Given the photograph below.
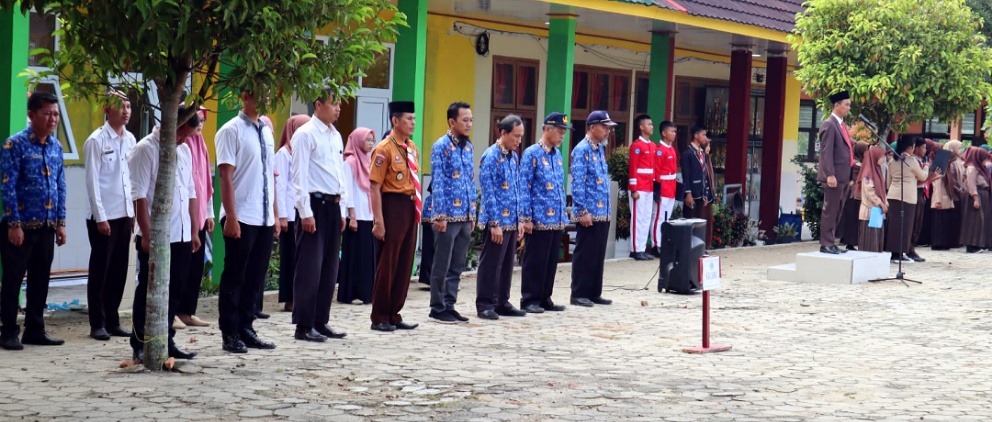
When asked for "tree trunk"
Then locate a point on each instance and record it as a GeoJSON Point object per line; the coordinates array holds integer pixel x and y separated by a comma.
{"type": "Point", "coordinates": [157, 313]}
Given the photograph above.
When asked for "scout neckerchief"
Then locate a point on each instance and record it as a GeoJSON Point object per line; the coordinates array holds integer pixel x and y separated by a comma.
{"type": "Point", "coordinates": [412, 165]}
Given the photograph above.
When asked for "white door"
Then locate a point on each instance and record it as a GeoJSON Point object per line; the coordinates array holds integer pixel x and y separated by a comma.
{"type": "Point", "coordinates": [373, 113]}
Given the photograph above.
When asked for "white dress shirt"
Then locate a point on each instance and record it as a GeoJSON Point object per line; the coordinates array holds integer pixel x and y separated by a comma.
{"type": "Point", "coordinates": [359, 198]}
{"type": "Point", "coordinates": [108, 180]}
{"type": "Point", "coordinates": [284, 187]}
{"type": "Point", "coordinates": [318, 165]}
{"type": "Point", "coordinates": [144, 173]}
{"type": "Point", "coordinates": [238, 144]}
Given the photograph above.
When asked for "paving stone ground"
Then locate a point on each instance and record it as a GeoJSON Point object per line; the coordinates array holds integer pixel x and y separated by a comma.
{"type": "Point", "coordinates": [880, 351]}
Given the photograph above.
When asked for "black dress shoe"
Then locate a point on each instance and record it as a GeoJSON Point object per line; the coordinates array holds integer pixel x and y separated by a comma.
{"type": "Point", "coordinates": [553, 308]}
{"type": "Point", "coordinates": [640, 256]}
{"type": "Point", "coordinates": [533, 309]}
{"type": "Point", "coordinates": [41, 339]}
{"type": "Point", "coordinates": [832, 249]}
{"type": "Point", "coordinates": [233, 344]}
{"type": "Point", "coordinates": [11, 343]}
{"type": "Point", "coordinates": [261, 315]}
{"type": "Point", "coordinates": [915, 257]}
{"type": "Point", "coordinates": [601, 301]}
{"type": "Point", "coordinates": [383, 326]}
{"type": "Point", "coordinates": [851, 248]}
{"type": "Point", "coordinates": [581, 301]}
{"type": "Point", "coordinates": [308, 334]}
{"type": "Point", "coordinates": [250, 339]}
{"type": "Point", "coordinates": [655, 252]}
{"type": "Point", "coordinates": [118, 331]}
{"type": "Point", "coordinates": [405, 326]}
{"type": "Point", "coordinates": [99, 334]}
{"type": "Point", "coordinates": [329, 332]}
{"type": "Point", "coordinates": [488, 314]}
{"type": "Point", "coordinates": [509, 310]}
{"type": "Point", "coordinates": [458, 316]}
{"type": "Point", "coordinates": [175, 352]}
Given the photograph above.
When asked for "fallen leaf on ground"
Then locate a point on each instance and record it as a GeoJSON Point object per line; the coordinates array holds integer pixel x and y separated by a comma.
{"type": "Point", "coordinates": [644, 303]}
{"type": "Point", "coordinates": [193, 340]}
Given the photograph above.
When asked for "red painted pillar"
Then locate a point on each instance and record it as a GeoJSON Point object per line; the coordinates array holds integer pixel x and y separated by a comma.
{"type": "Point", "coordinates": [738, 115]}
{"type": "Point", "coordinates": [771, 147]}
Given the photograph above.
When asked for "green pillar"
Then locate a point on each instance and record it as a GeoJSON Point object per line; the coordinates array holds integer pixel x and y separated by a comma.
{"type": "Point", "coordinates": [411, 62]}
{"type": "Point", "coordinates": [558, 76]}
{"type": "Point", "coordinates": [227, 110]}
{"type": "Point", "coordinates": [660, 79]}
{"type": "Point", "coordinates": [14, 33]}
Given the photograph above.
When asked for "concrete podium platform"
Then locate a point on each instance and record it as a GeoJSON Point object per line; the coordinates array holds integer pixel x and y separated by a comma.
{"type": "Point", "coordinates": [853, 267]}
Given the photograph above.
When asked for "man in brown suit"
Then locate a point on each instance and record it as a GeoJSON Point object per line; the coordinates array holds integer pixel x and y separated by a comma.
{"type": "Point", "coordinates": [836, 160]}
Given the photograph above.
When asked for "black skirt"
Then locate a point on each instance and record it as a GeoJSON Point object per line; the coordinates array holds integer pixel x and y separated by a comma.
{"type": "Point", "coordinates": [849, 222]}
{"type": "Point", "coordinates": [942, 234]}
{"type": "Point", "coordinates": [897, 241]}
{"type": "Point", "coordinates": [357, 274]}
{"type": "Point", "coordinates": [973, 221]}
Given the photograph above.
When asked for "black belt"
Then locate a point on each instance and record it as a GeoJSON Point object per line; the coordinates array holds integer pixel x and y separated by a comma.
{"type": "Point", "coordinates": [399, 195]}
{"type": "Point", "coordinates": [325, 196]}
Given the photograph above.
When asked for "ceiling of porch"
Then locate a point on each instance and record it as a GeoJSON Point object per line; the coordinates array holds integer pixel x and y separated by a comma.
{"type": "Point", "coordinates": [534, 13]}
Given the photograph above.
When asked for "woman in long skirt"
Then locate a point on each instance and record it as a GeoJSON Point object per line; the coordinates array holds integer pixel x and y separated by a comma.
{"type": "Point", "coordinates": [974, 233]}
{"type": "Point", "coordinates": [849, 222]}
{"type": "Point", "coordinates": [287, 210]}
{"type": "Point", "coordinates": [357, 272]}
{"type": "Point", "coordinates": [871, 189]}
{"type": "Point", "coordinates": [944, 226]}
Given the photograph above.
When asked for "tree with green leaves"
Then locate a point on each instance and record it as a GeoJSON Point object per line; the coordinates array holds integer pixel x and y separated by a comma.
{"type": "Point", "coordinates": [983, 9]}
{"type": "Point", "coordinates": [901, 60]}
{"type": "Point", "coordinates": [268, 48]}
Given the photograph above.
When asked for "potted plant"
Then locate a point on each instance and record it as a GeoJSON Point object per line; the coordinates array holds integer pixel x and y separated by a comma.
{"type": "Point", "coordinates": [785, 232]}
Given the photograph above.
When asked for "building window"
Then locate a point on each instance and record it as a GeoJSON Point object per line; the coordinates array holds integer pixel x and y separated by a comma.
{"type": "Point", "coordinates": [809, 127]}
{"type": "Point", "coordinates": [597, 88]}
{"type": "Point", "coordinates": [515, 84]}
{"type": "Point", "coordinates": [42, 35]}
{"type": "Point", "coordinates": [641, 94]}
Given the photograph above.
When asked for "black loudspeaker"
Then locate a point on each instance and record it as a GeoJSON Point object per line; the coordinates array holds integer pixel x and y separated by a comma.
{"type": "Point", "coordinates": [682, 244]}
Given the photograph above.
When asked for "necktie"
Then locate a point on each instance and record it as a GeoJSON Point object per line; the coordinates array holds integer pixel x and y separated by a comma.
{"type": "Point", "coordinates": [265, 177]}
{"type": "Point", "coordinates": [847, 138]}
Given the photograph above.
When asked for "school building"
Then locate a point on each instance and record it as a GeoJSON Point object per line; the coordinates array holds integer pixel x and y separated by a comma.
{"type": "Point", "coordinates": [723, 64]}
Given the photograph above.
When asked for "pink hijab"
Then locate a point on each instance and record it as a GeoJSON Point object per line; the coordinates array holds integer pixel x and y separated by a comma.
{"type": "Point", "coordinates": [290, 128]}
{"type": "Point", "coordinates": [357, 158]}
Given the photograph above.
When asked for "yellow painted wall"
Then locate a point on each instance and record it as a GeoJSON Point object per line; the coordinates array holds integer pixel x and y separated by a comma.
{"type": "Point", "coordinates": [791, 184]}
{"type": "Point", "coordinates": [84, 116]}
{"type": "Point", "coordinates": [449, 77]}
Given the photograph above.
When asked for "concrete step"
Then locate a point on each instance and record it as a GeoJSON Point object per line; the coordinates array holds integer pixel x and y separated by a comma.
{"type": "Point", "coordinates": [853, 267]}
{"type": "Point", "coordinates": [786, 272]}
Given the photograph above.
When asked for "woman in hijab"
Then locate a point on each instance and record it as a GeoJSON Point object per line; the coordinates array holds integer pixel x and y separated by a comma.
{"type": "Point", "coordinates": [849, 221]}
{"type": "Point", "coordinates": [944, 205]}
{"type": "Point", "coordinates": [956, 173]}
{"type": "Point", "coordinates": [870, 189]}
{"type": "Point", "coordinates": [974, 231]}
{"type": "Point", "coordinates": [287, 210]}
{"type": "Point", "coordinates": [357, 272]}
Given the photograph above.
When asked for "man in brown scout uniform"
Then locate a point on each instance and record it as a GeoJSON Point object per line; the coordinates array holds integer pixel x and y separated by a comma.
{"type": "Point", "coordinates": [396, 207]}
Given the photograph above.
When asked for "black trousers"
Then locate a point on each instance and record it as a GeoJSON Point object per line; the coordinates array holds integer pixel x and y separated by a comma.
{"type": "Point", "coordinates": [246, 262]}
{"type": "Point", "coordinates": [357, 272]}
{"type": "Point", "coordinates": [107, 271]}
{"type": "Point", "coordinates": [426, 252]}
{"type": "Point", "coordinates": [34, 256]}
{"type": "Point", "coordinates": [190, 296]}
{"type": "Point", "coordinates": [178, 269]}
{"type": "Point", "coordinates": [495, 271]}
{"type": "Point", "coordinates": [589, 259]}
{"type": "Point", "coordinates": [317, 263]}
{"type": "Point", "coordinates": [287, 262]}
{"type": "Point", "coordinates": [538, 267]}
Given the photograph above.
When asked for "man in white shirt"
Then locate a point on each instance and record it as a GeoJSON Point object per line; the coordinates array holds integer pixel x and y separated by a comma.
{"type": "Point", "coordinates": [319, 188]}
{"type": "Point", "coordinates": [108, 186]}
{"type": "Point", "coordinates": [245, 150]}
{"type": "Point", "coordinates": [144, 165]}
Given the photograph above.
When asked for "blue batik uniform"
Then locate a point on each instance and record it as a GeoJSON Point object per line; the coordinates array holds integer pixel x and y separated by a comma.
{"type": "Point", "coordinates": [590, 182]}
{"type": "Point", "coordinates": [498, 175]}
{"type": "Point", "coordinates": [452, 187]}
{"type": "Point", "coordinates": [33, 187]}
{"type": "Point", "coordinates": [542, 187]}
